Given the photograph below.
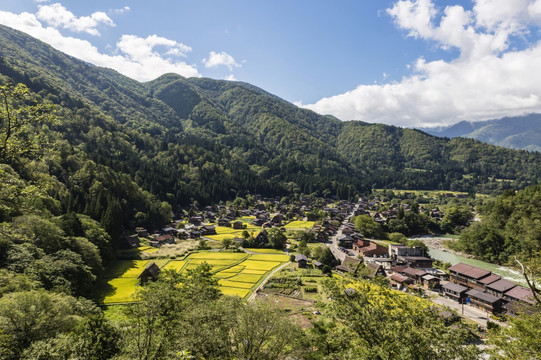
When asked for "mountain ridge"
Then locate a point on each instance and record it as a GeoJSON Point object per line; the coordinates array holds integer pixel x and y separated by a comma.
{"type": "Point", "coordinates": [519, 132]}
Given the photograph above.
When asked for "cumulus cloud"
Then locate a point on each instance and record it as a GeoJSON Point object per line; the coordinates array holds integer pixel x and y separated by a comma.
{"type": "Point", "coordinates": [221, 59]}
{"type": "Point", "coordinates": [142, 59]}
{"type": "Point", "coordinates": [58, 16]}
{"type": "Point", "coordinates": [489, 78]}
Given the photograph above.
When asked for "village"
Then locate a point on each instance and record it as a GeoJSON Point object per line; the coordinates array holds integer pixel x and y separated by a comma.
{"type": "Point", "coordinates": [313, 225]}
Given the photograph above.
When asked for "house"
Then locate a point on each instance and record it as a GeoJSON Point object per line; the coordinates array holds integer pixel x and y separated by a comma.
{"type": "Point", "coordinates": [430, 281]}
{"type": "Point", "coordinates": [318, 265]}
{"type": "Point", "coordinates": [141, 232]}
{"type": "Point", "coordinates": [262, 237]}
{"type": "Point", "coordinates": [224, 222]}
{"type": "Point", "coordinates": [345, 241]}
{"type": "Point", "coordinates": [468, 275]}
{"type": "Point", "coordinates": [161, 240]}
{"type": "Point", "coordinates": [169, 230]}
{"type": "Point", "coordinates": [151, 272]}
{"type": "Point", "coordinates": [208, 230]}
{"type": "Point", "coordinates": [415, 274]}
{"type": "Point", "coordinates": [385, 262]}
{"type": "Point", "coordinates": [369, 248]}
{"type": "Point", "coordinates": [411, 256]}
{"type": "Point", "coordinates": [454, 291]}
{"type": "Point", "coordinates": [301, 260]}
{"type": "Point", "coordinates": [400, 281]}
{"type": "Point", "coordinates": [238, 225]}
{"type": "Point", "coordinates": [374, 270]}
{"type": "Point", "coordinates": [518, 299]}
{"type": "Point", "coordinates": [349, 264]}
{"type": "Point", "coordinates": [489, 280]}
{"type": "Point", "coordinates": [131, 241]}
{"type": "Point", "coordinates": [500, 287]}
{"type": "Point", "coordinates": [484, 301]}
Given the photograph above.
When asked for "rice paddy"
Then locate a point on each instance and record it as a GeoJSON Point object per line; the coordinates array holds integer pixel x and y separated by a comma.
{"type": "Point", "coordinates": [238, 273]}
{"type": "Point", "coordinates": [300, 225]}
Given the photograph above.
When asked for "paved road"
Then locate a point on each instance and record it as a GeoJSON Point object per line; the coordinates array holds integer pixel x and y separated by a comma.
{"type": "Point", "coordinates": [466, 311]}
{"type": "Point", "coordinates": [333, 245]}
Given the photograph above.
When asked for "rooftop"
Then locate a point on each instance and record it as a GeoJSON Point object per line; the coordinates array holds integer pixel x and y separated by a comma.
{"type": "Point", "coordinates": [469, 271]}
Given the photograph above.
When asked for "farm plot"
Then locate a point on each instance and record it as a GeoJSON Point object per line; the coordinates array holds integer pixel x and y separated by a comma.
{"type": "Point", "coordinates": [237, 273]}
{"type": "Point", "coordinates": [300, 225]}
{"type": "Point", "coordinates": [223, 232]}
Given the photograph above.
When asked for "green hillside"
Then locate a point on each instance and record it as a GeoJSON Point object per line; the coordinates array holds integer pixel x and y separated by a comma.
{"type": "Point", "coordinates": [174, 140]}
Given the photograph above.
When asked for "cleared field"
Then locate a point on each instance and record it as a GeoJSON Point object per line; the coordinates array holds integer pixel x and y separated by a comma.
{"type": "Point", "coordinates": [247, 278]}
{"type": "Point", "coordinates": [127, 268]}
{"type": "Point", "coordinates": [266, 251]}
{"type": "Point", "coordinates": [235, 291]}
{"type": "Point", "coordinates": [121, 290]}
{"type": "Point", "coordinates": [300, 224]}
{"type": "Point", "coordinates": [260, 265]}
{"type": "Point", "coordinates": [175, 265]}
{"type": "Point", "coordinates": [217, 256]}
{"type": "Point", "coordinates": [236, 280]}
{"type": "Point", "coordinates": [270, 257]}
{"type": "Point", "coordinates": [236, 284]}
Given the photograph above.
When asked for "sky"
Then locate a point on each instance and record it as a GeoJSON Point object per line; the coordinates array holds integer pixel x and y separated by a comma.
{"type": "Point", "coordinates": [410, 63]}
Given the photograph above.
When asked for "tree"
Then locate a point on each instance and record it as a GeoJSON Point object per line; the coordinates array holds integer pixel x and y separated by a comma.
{"type": "Point", "coordinates": [31, 316]}
{"type": "Point", "coordinates": [227, 242]}
{"type": "Point", "coordinates": [18, 112]}
{"type": "Point", "coordinates": [519, 340]}
{"type": "Point", "coordinates": [262, 332]}
{"type": "Point", "coordinates": [277, 239]}
{"type": "Point", "coordinates": [416, 332]}
{"type": "Point", "coordinates": [368, 227]}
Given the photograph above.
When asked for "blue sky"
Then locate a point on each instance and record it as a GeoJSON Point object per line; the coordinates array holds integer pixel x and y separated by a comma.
{"type": "Point", "coordinates": [401, 62]}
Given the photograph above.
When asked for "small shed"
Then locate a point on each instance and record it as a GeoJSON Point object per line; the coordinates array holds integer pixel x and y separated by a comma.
{"type": "Point", "coordinates": [151, 272]}
{"type": "Point", "coordinates": [301, 260]}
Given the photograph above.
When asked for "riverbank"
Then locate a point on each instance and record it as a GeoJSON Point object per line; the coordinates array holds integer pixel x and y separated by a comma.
{"type": "Point", "coordinates": [438, 250]}
{"type": "Point", "coordinates": [441, 244]}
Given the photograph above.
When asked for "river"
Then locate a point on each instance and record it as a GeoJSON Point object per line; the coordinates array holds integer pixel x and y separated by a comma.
{"type": "Point", "coordinates": [438, 253]}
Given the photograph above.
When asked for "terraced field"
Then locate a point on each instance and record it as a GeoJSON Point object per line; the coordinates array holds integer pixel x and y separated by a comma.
{"type": "Point", "coordinates": [238, 273]}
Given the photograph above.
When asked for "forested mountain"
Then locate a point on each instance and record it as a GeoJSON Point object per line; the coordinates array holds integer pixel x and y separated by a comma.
{"type": "Point", "coordinates": [521, 132]}
{"type": "Point", "coordinates": [136, 151]}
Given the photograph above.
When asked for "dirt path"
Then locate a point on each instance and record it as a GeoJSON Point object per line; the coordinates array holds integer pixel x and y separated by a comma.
{"type": "Point", "coordinates": [254, 293]}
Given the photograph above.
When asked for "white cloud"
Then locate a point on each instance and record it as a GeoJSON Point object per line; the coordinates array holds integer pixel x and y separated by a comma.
{"type": "Point", "coordinates": [221, 59]}
{"type": "Point", "coordinates": [122, 10]}
{"type": "Point", "coordinates": [138, 58]}
{"type": "Point", "coordinates": [489, 79]}
{"type": "Point", "coordinates": [58, 16]}
{"type": "Point", "coordinates": [231, 77]}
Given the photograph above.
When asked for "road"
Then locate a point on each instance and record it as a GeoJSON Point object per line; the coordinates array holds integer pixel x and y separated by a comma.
{"type": "Point", "coordinates": [466, 311]}
{"type": "Point", "coordinates": [333, 245]}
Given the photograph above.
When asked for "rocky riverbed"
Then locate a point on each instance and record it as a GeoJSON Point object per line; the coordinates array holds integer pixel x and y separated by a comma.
{"type": "Point", "coordinates": [440, 243]}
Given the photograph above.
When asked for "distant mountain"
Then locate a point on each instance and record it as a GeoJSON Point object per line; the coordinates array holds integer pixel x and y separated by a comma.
{"type": "Point", "coordinates": [522, 132]}
{"type": "Point", "coordinates": [132, 147]}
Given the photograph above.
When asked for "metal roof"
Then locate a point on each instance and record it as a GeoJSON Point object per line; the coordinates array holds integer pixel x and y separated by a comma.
{"type": "Point", "coordinates": [491, 299]}
{"type": "Point", "coordinates": [469, 271]}
{"type": "Point", "coordinates": [455, 287]}
{"type": "Point", "coordinates": [521, 293]}
{"type": "Point", "coordinates": [501, 285]}
{"type": "Point", "coordinates": [490, 279]}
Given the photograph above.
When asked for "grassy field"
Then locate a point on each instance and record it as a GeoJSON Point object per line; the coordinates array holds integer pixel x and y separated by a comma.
{"type": "Point", "coordinates": [300, 225]}
{"type": "Point", "coordinates": [238, 273]}
{"type": "Point", "coordinates": [266, 251]}
{"type": "Point", "coordinates": [223, 232]}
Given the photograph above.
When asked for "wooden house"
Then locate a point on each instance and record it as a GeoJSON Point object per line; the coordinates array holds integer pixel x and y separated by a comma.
{"type": "Point", "coordinates": [454, 291]}
{"type": "Point", "coordinates": [301, 261]}
{"type": "Point", "coordinates": [151, 272]}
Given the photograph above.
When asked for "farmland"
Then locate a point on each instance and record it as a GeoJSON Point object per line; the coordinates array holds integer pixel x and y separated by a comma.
{"type": "Point", "coordinates": [238, 274]}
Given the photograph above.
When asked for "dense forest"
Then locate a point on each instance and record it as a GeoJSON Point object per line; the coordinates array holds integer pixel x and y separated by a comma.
{"type": "Point", "coordinates": [510, 226]}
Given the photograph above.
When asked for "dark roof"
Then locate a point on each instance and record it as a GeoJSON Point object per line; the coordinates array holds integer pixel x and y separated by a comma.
{"type": "Point", "coordinates": [300, 258]}
{"type": "Point", "coordinates": [501, 285]}
{"type": "Point", "coordinates": [400, 278]}
{"type": "Point", "coordinates": [455, 287]}
{"type": "Point", "coordinates": [491, 299]}
{"type": "Point", "coordinates": [415, 272]}
{"type": "Point", "coordinates": [317, 264]}
{"type": "Point", "coordinates": [490, 279]}
{"type": "Point", "coordinates": [521, 293]}
{"type": "Point", "coordinates": [152, 269]}
{"type": "Point", "coordinates": [469, 271]}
